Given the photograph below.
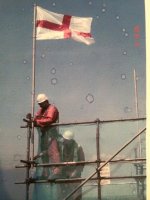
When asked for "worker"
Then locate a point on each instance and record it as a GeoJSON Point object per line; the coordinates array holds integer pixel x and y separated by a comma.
{"type": "Point", "coordinates": [45, 116]}
{"type": "Point", "coordinates": [71, 151]}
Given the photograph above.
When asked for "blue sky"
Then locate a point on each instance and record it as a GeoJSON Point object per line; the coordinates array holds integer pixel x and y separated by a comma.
{"type": "Point", "coordinates": [85, 82]}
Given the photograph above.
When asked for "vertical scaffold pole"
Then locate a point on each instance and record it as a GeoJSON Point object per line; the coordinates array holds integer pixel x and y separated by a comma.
{"type": "Point", "coordinates": [137, 111]}
{"type": "Point", "coordinates": [28, 158]}
{"type": "Point", "coordinates": [139, 149]}
{"type": "Point", "coordinates": [33, 77]}
{"type": "Point", "coordinates": [98, 159]}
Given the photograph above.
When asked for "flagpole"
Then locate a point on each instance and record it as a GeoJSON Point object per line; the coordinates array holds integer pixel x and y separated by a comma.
{"type": "Point", "coordinates": [137, 108]}
{"type": "Point", "coordinates": [33, 77]}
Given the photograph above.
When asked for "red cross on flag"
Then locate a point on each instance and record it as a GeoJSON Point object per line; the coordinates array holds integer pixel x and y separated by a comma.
{"type": "Point", "coordinates": [50, 25]}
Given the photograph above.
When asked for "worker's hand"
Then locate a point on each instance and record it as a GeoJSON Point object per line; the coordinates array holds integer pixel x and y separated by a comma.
{"type": "Point", "coordinates": [29, 120]}
{"type": "Point", "coordinates": [35, 123]}
{"type": "Point", "coordinates": [28, 116]}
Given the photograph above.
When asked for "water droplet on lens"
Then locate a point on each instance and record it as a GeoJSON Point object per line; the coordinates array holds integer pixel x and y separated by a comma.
{"type": "Point", "coordinates": [126, 34]}
{"type": "Point", "coordinates": [19, 137]}
{"type": "Point", "coordinates": [43, 56]}
{"type": "Point", "coordinates": [25, 62]}
{"type": "Point", "coordinates": [123, 76]}
{"type": "Point", "coordinates": [124, 52]}
{"type": "Point", "coordinates": [28, 77]}
{"type": "Point", "coordinates": [54, 81]}
{"type": "Point", "coordinates": [53, 71]}
{"type": "Point", "coordinates": [103, 10]}
{"type": "Point", "coordinates": [90, 98]}
{"type": "Point", "coordinates": [117, 17]}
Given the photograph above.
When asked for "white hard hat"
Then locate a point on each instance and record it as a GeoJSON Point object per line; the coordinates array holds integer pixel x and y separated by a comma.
{"type": "Point", "coordinates": [69, 135]}
{"type": "Point", "coordinates": [41, 98]}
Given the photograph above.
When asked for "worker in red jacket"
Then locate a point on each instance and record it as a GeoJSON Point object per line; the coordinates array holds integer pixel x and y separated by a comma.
{"type": "Point", "coordinates": [45, 116]}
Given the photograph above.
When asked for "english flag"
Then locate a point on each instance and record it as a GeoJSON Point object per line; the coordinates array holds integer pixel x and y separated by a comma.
{"type": "Point", "coordinates": [50, 26]}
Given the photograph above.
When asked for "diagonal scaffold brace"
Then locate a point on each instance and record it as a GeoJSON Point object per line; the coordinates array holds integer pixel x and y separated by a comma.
{"type": "Point", "coordinates": [100, 167]}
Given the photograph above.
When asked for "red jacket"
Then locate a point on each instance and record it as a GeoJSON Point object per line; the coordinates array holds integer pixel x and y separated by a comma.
{"type": "Point", "coordinates": [49, 116]}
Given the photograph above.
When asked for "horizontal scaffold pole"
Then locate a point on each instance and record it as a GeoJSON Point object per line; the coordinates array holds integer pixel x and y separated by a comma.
{"type": "Point", "coordinates": [72, 180]}
{"type": "Point", "coordinates": [137, 160]}
{"type": "Point", "coordinates": [98, 120]}
{"type": "Point", "coordinates": [94, 122]}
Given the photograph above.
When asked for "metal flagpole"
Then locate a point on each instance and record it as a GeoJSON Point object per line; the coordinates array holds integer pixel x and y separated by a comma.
{"type": "Point", "coordinates": [33, 77]}
{"type": "Point", "coordinates": [137, 109]}
{"type": "Point", "coordinates": [139, 167]}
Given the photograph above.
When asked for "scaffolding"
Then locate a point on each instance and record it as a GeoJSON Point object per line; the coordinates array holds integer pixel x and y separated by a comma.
{"type": "Point", "coordinates": [138, 162]}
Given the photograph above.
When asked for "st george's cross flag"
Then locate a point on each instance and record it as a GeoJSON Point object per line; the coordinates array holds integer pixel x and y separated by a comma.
{"type": "Point", "coordinates": [50, 26]}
